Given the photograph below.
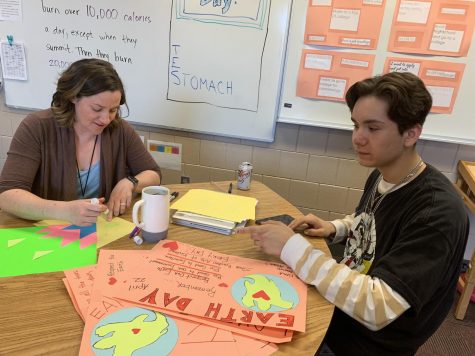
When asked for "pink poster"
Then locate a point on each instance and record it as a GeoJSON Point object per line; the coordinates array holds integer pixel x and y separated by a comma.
{"type": "Point", "coordinates": [206, 284]}
{"type": "Point", "coordinates": [80, 286]}
{"type": "Point", "coordinates": [79, 283]}
{"type": "Point", "coordinates": [114, 326]}
{"type": "Point", "coordinates": [118, 328]}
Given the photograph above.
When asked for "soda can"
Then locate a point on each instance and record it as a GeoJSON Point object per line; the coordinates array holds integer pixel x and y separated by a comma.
{"type": "Point", "coordinates": [244, 176]}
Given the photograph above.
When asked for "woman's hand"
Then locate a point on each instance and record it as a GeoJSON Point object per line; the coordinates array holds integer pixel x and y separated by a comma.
{"type": "Point", "coordinates": [29, 206]}
{"type": "Point", "coordinates": [312, 225]}
{"type": "Point", "coordinates": [83, 212]}
{"type": "Point", "coordinates": [120, 198]}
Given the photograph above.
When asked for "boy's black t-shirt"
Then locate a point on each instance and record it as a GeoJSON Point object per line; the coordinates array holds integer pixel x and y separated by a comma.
{"type": "Point", "coordinates": [421, 233]}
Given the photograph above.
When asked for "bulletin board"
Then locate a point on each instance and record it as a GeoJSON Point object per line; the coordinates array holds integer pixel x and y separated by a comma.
{"type": "Point", "coordinates": [456, 127]}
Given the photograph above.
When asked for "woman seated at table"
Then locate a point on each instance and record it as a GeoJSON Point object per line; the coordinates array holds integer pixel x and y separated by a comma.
{"type": "Point", "coordinates": [78, 149]}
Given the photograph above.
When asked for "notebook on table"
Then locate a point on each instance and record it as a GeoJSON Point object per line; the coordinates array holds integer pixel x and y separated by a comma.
{"type": "Point", "coordinates": [213, 211]}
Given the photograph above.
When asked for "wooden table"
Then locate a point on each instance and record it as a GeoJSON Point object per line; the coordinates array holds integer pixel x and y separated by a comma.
{"type": "Point", "coordinates": [37, 316]}
{"type": "Point", "coordinates": [466, 186]}
{"type": "Point", "coordinates": [466, 183]}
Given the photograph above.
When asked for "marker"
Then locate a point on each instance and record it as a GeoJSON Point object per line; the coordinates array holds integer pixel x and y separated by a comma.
{"type": "Point", "coordinates": [95, 201]}
{"type": "Point", "coordinates": [135, 235]}
{"type": "Point", "coordinates": [173, 196]}
{"type": "Point", "coordinates": [230, 189]}
{"type": "Point", "coordinates": [134, 232]}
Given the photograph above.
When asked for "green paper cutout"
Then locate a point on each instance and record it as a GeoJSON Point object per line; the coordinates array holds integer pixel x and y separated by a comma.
{"type": "Point", "coordinates": [18, 259]}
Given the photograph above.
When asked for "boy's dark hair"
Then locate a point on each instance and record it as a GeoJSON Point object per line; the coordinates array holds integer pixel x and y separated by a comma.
{"type": "Point", "coordinates": [408, 99]}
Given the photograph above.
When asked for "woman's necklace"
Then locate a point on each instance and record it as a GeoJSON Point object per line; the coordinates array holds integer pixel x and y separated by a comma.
{"type": "Point", "coordinates": [373, 202]}
{"type": "Point", "coordinates": [83, 191]}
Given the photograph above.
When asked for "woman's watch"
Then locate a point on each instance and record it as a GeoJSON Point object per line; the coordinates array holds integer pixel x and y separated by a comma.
{"type": "Point", "coordinates": [134, 181]}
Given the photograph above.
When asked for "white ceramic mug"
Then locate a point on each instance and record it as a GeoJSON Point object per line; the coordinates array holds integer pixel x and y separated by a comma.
{"type": "Point", "coordinates": [154, 207]}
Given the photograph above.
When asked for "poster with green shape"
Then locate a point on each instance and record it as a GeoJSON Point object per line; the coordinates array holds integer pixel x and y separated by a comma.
{"type": "Point", "coordinates": [30, 250]}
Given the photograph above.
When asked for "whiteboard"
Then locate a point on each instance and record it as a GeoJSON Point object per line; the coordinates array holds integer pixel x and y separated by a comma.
{"type": "Point", "coordinates": [457, 127]}
{"type": "Point", "coordinates": [213, 68]}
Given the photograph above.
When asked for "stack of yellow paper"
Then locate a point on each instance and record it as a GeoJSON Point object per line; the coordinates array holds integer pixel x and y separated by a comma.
{"type": "Point", "coordinates": [213, 211]}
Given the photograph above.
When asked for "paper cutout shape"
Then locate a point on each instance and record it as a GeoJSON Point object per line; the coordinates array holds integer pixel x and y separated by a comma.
{"type": "Point", "coordinates": [86, 235]}
{"type": "Point", "coordinates": [107, 231]}
{"type": "Point", "coordinates": [217, 204]}
{"type": "Point", "coordinates": [265, 292]}
{"type": "Point", "coordinates": [39, 254]}
{"type": "Point", "coordinates": [14, 242]}
{"type": "Point", "coordinates": [135, 329]}
{"type": "Point", "coordinates": [84, 231]}
{"type": "Point", "coordinates": [20, 259]}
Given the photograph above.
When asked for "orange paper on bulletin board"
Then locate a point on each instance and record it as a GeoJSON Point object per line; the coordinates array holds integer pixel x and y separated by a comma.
{"type": "Point", "coordinates": [439, 27]}
{"type": "Point", "coordinates": [344, 23]}
{"type": "Point", "coordinates": [329, 74]}
{"type": "Point", "coordinates": [442, 79]}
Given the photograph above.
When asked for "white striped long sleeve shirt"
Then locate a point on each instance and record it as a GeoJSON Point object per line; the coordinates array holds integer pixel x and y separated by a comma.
{"type": "Point", "coordinates": [367, 299]}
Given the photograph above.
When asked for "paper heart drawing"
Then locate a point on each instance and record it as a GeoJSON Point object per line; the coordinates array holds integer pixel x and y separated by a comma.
{"type": "Point", "coordinates": [112, 281]}
{"type": "Point", "coordinates": [173, 246]}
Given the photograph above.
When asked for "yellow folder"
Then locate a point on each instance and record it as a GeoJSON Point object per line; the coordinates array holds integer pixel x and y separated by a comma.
{"type": "Point", "coordinates": [217, 205]}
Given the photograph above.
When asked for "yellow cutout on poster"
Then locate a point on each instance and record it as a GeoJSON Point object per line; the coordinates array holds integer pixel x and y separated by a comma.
{"type": "Point", "coordinates": [12, 243]}
{"type": "Point", "coordinates": [39, 254]}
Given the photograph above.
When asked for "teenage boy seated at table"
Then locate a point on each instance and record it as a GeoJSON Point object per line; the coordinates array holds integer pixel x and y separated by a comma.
{"type": "Point", "coordinates": [80, 148]}
{"type": "Point", "coordinates": [405, 241]}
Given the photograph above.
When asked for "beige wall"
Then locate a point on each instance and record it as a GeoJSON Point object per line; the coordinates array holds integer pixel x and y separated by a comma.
{"type": "Point", "coordinates": [312, 167]}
